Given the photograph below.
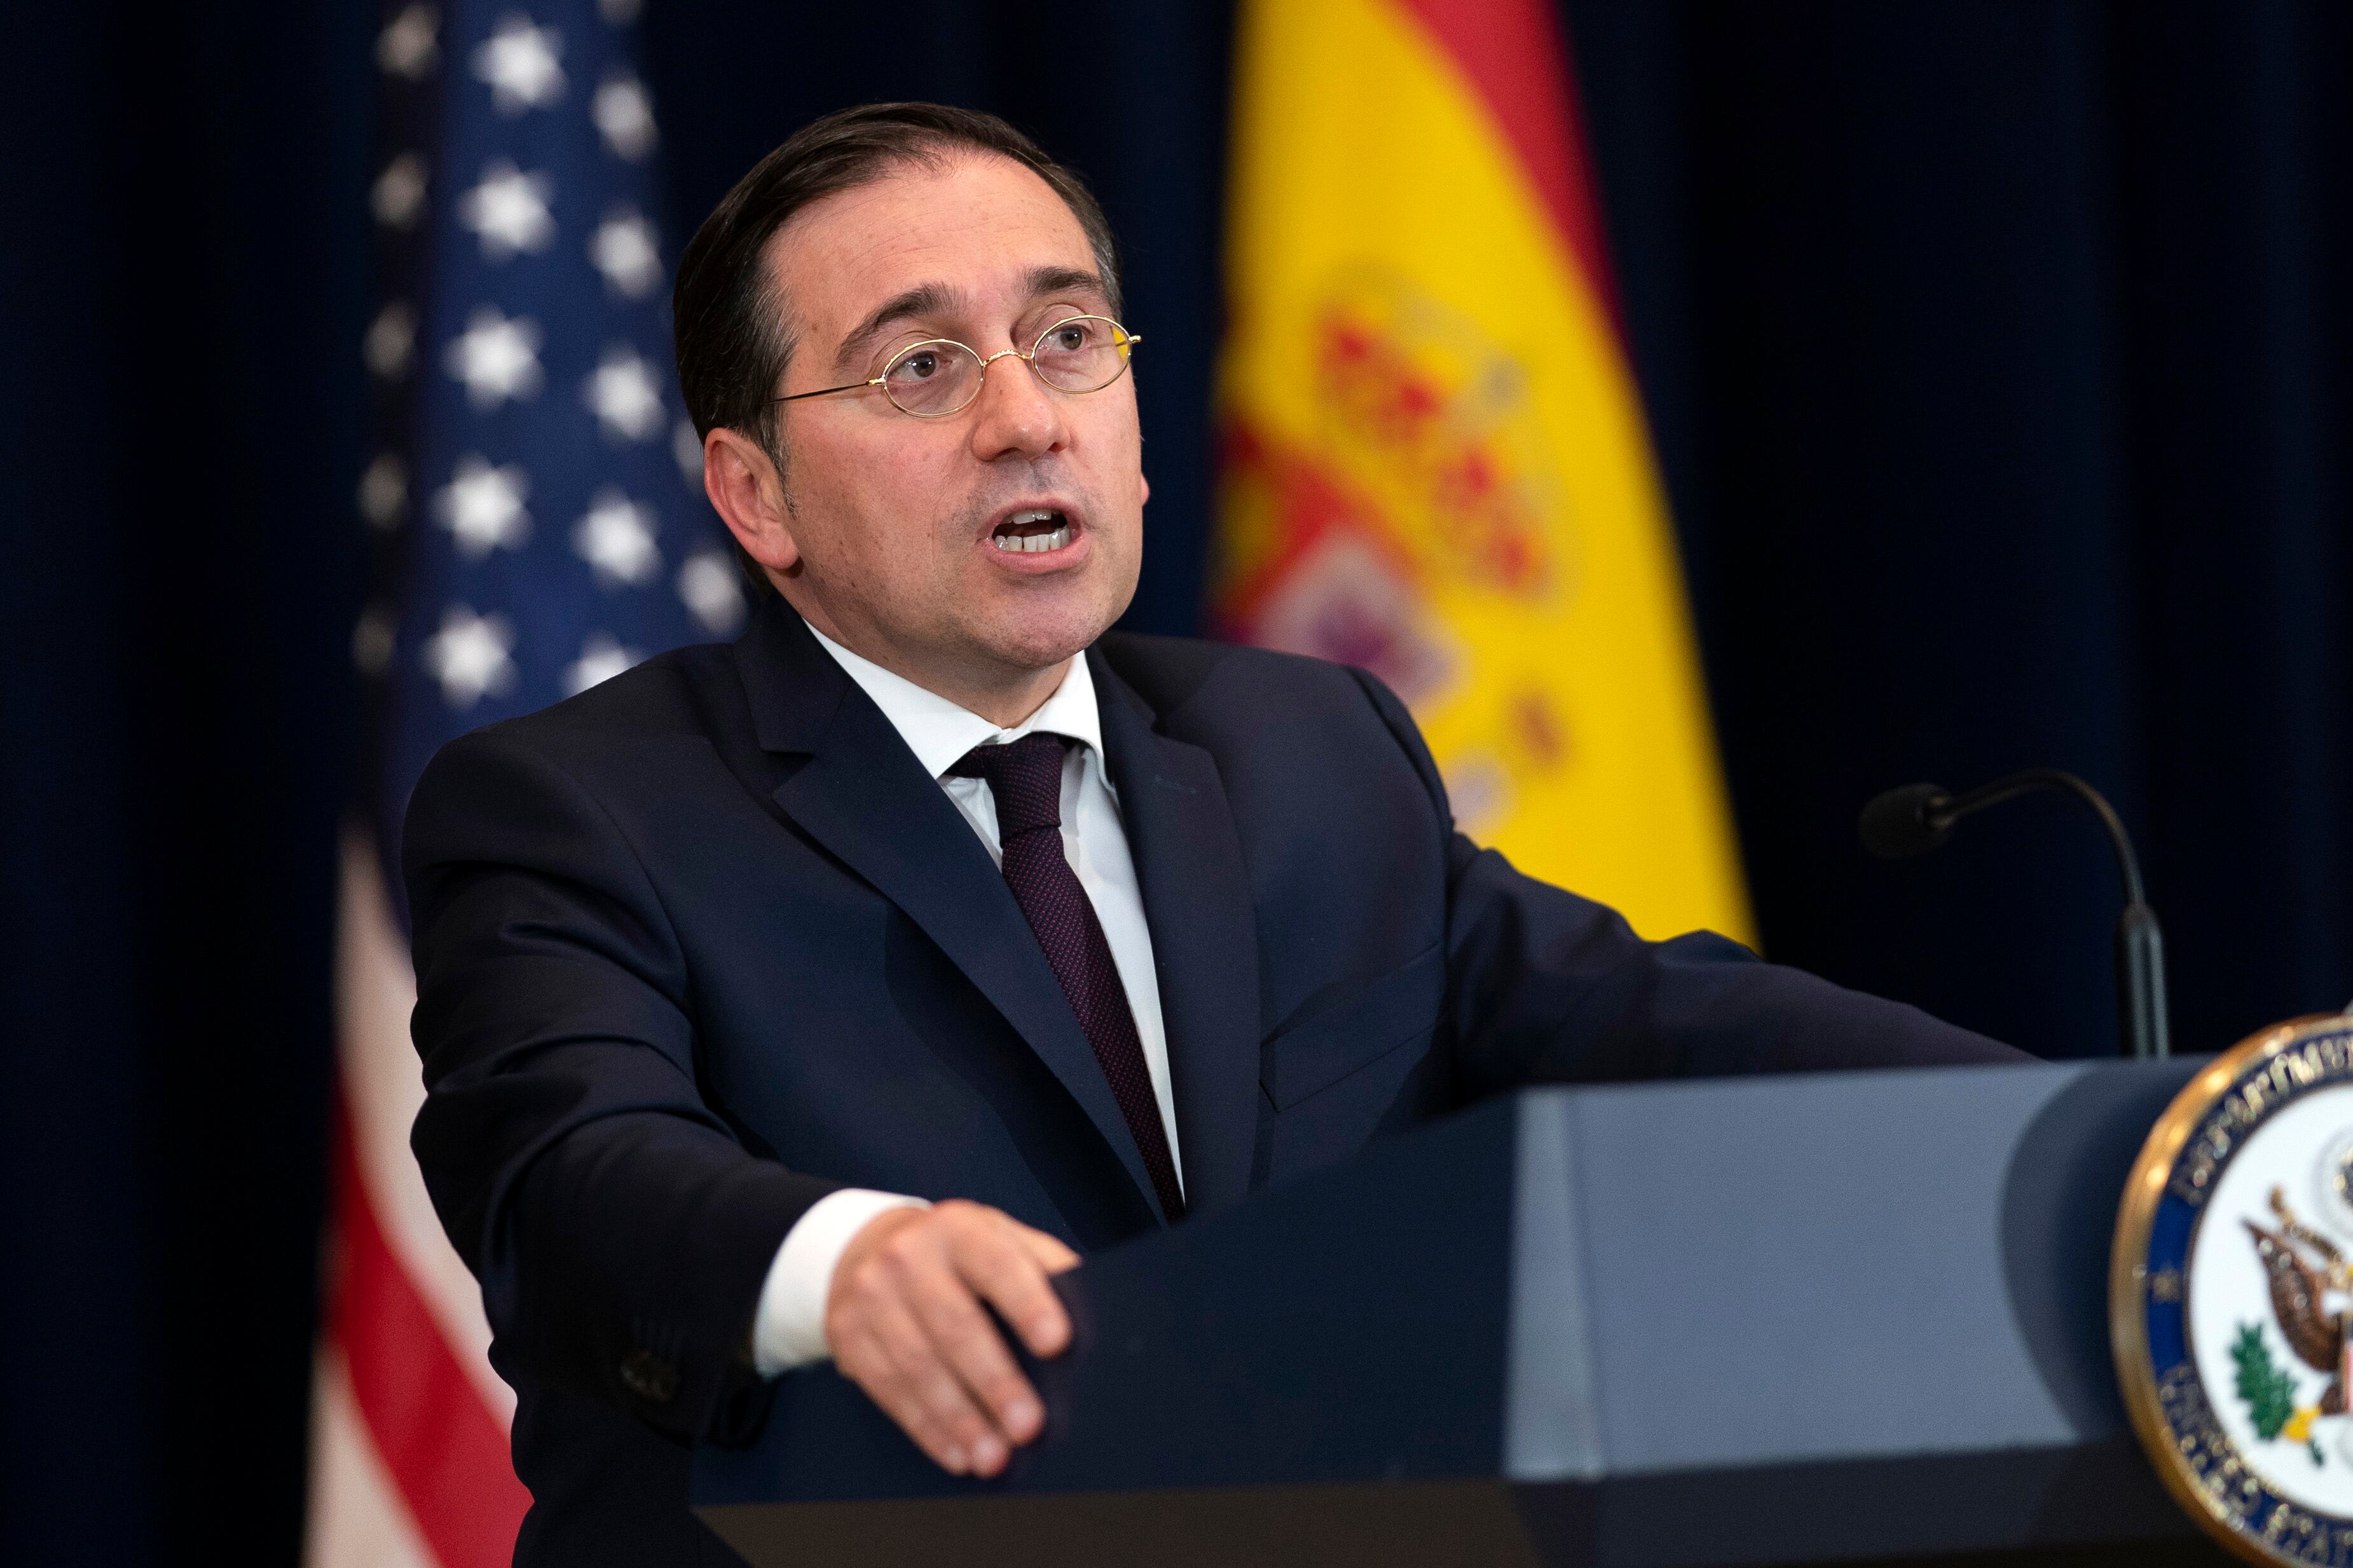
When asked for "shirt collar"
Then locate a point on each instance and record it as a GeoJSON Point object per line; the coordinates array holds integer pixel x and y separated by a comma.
{"type": "Point", "coordinates": [939, 731]}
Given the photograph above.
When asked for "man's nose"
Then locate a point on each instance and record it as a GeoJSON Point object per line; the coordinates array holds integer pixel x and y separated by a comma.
{"type": "Point", "coordinates": [1016, 412]}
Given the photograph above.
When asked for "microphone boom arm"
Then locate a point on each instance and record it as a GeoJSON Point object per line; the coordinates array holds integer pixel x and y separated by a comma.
{"type": "Point", "coordinates": [1915, 818]}
{"type": "Point", "coordinates": [2011, 786]}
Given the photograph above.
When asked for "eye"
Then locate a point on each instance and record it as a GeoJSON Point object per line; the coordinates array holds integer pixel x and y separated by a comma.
{"type": "Point", "coordinates": [923, 364]}
{"type": "Point", "coordinates": [1070, 337]}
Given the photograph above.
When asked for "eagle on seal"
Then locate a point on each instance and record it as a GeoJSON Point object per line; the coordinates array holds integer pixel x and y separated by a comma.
{"type": "Point", "coordinates": [2300, 1264]}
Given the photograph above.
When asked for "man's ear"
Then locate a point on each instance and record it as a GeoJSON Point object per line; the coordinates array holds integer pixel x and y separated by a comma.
{"type": "Point", "coordinates": [749, 496]}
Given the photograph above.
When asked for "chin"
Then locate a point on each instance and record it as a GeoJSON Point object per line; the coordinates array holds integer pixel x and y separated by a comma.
{"type": "Point", "coordinates": [1033, 636]}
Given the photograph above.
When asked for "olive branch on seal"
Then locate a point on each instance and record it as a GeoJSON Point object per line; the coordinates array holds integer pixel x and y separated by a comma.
{"type": "Point", "coordinates": [2269, 1392]}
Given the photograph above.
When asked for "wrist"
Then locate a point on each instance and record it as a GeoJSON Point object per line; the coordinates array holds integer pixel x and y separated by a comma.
{"type": "Point", "coordinates": [789, 1328]}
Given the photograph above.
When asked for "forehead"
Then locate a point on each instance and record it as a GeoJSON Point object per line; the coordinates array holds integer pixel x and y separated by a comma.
{"type": "Point", "coordinates": [976, 224]}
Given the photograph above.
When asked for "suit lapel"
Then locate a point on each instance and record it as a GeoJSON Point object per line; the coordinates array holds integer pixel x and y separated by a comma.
{"type": "Point", "coordinates": [1196, 902]}
{"type": "Point", "coordinates": [864, 797]}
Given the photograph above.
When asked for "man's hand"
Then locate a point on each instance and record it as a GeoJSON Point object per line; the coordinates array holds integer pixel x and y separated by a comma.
{"type": "Point", "coordinates": [904, 1319]}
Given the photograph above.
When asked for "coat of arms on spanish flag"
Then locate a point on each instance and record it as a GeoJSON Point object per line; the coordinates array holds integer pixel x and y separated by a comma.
{"type": "Point", "coordinates": [1435, 460]}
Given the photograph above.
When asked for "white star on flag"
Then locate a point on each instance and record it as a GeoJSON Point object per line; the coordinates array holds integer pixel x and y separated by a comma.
{"type": "Point", "coordinates": [708, 585]}
{"type": "Point", "coordinates": [625, 116]}
{"type": "Point", "coordinates": [527, 536]}
{"type": "Point", "coordinates": [622, 250]}
{"type": "Point", "coordinates": [408, 48]}
{"type": "Point", "coordinates": [384, 491]}
{"type": "Point", "coordinates": [398, 193]}
{"type": "Point", "coordinates": [601, 658]}
{"type": "Point", "coordinates": [391, 340]}
{"type": "Point", "coordinates": [482, 506]}
{"type": "Point", "coordinates": [469, 656]}
{"type": "Point", "coordinates": [616, 537]}
{"type": "Point", "coordinates": [624, 396]}
{"type": "Point", "coordinates": [518, 61]}
{"type": "Point", "coordinates": [509, 210]}
{"type": "Point", "coordinates": [497, 357]}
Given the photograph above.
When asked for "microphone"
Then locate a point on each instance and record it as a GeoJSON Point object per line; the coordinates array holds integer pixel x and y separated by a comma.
{"type": "Point", "coordinates": [1913, 819]}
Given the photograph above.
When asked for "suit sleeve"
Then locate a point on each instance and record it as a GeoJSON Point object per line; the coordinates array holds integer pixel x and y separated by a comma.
{"type": "Point", "coordinates": [620, 1230]}
{"type": "Point", "coordinates": [1543, 986]}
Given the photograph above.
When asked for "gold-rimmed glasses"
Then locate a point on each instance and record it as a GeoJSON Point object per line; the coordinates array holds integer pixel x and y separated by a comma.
{"type": "Point", "coordinates": [941, 376]}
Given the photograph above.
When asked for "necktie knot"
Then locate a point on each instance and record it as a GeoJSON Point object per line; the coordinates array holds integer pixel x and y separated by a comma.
{"type": "Point", "coordinates": [1026, 777]}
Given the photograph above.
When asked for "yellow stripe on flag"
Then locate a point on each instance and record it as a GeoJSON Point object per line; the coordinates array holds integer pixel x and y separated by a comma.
{"type": "Point", "coordinates": [1436, 465]}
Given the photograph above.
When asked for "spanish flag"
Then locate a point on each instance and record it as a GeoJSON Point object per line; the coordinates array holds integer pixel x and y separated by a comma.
{"type": "Point", "coordinates": [1434, 458]}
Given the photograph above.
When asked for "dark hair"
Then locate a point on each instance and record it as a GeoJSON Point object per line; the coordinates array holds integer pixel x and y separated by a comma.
{"type": "Point", "coordinates": [728, 320]}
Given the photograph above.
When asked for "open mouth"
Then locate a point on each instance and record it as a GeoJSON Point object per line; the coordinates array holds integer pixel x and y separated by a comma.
{"type": "Point", "coordinates": [1033, 532]}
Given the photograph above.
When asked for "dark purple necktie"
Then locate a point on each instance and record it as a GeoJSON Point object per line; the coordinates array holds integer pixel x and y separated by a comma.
{"type": "Point", "coordinates": [1026, 777]}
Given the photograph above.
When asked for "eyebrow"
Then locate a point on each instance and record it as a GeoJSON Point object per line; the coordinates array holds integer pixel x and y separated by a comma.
{"type": "Point", "coordinates": [923, 300]}
{"type": "Point", "coordinates": [935, 300]}
{"type": "Point", "coordinates": [1044, 280]}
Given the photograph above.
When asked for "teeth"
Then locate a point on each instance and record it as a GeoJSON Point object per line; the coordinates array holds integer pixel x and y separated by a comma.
{"type": "Point", "coordinates": [1035, 544]}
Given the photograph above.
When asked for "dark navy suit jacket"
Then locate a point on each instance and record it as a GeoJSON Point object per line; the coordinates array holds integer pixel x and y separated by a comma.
{"type": "Point", "coordinates": [701, 944]}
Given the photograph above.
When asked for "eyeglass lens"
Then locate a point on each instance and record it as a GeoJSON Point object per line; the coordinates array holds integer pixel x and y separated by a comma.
{"type": "Point", "coordinates": [1083, 353]}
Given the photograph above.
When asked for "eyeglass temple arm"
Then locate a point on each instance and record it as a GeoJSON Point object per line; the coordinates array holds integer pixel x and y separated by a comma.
{"type": "Point", "coordinates": [827, 391]}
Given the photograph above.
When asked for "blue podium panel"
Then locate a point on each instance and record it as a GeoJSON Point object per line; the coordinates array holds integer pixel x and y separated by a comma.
{"type": "Point", "coordinates": [1844, 1317]}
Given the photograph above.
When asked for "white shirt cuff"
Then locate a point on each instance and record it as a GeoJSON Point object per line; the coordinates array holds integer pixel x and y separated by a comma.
{"type": "Point", "coordinates": [788, 1329]}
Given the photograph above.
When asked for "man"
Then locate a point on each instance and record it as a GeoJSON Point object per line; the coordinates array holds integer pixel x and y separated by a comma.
{"type": "Point", "coordinates": [806, 998]}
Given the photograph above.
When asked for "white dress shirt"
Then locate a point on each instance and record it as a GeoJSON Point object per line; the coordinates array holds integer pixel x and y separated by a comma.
{"type": "Point", "coordinates": [789, 1328]}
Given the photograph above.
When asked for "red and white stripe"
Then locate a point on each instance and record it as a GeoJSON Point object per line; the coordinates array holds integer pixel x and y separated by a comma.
{"type": "Point", "coordinates": [410, 1466]}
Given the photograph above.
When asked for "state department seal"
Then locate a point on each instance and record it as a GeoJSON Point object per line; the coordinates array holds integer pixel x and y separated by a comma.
{"type": "Point", "coordinates": [2231, 1295]}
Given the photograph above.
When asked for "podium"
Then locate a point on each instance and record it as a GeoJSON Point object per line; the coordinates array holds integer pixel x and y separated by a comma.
{"type": "Point", "coordinates": [1856, 1316]}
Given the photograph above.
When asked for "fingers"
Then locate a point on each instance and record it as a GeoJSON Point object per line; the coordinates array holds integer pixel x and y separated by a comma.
{"type": "Point", "coordinates": [904, 1317]}
{"type": "Point", "coordinates": [1010, 1269]}
{"type": "Point", "coordinates": [1049, 1252]}
{"type": "Point", "coordinates": [976, 1366]}
{"type": "Point", "coordinates": [888, 1355]}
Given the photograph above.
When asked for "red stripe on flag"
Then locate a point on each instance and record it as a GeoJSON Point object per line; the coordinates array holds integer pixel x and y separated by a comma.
{"type": "Point", "coordinates": [443, 1447]}
{"type": "Point", "coordinates": [1514, 56]}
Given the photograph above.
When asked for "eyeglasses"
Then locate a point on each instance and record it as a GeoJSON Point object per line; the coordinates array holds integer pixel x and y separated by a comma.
{"type": "Point", "coordinates": [940, 376]}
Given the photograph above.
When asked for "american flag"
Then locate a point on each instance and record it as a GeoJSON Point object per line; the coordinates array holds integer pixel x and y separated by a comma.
{"type": "Point", "coordinates": [537, 524]}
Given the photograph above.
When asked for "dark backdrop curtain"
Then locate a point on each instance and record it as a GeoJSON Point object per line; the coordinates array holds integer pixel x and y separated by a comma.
{"type": "Point", "coordinates": [1997, 354]}
{"type": "Point", "coordinates": [180, 305]}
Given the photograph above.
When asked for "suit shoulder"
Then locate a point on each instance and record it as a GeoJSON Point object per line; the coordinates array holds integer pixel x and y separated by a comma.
{"type": "Point", "coordinates": [1169, 673]}
{"type": "Point", "coordinates": [564, 769]}
{"type": "Point", "coordinates": [687, 694]}
{"type": "Point", "coordinates": [1252, 706]}
{"type": "Point", "coordinates": [670, 693]}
